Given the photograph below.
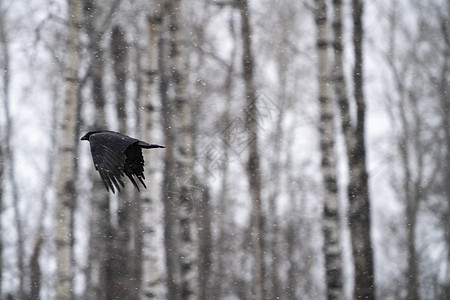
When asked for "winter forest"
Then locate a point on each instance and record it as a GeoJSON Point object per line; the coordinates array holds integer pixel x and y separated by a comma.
{"type": "Point", "coordinates": [307, 149]}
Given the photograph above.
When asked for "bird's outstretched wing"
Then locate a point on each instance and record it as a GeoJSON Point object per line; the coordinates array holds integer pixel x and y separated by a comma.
{"type": "Point", "coordinates": [109, 160]}
{"type": "Point", "coordinates": [134, 164]}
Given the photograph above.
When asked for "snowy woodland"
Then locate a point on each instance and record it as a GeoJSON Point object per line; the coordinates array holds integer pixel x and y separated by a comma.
{"type": "Point", "coordinates": [307, 149]}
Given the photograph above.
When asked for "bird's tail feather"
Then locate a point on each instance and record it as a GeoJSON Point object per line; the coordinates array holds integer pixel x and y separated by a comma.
{"type": "Point", "coordinates": [148, 146]}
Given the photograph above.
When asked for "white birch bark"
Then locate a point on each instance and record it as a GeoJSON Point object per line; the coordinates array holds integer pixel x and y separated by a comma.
{"type": "Point", "coordinates": [184, 156]}
{"type": "Point", "coordinates": [151, 206]}
{"type": "Point", "coordinates": [99, 256]}
{"type": "Point", "coordinates": [331, 220]}
{"type": "Point", "coordinates": [67, 152]}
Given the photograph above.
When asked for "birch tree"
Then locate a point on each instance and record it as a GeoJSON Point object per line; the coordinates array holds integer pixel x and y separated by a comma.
{"type": "Point", "coordinates": [100, 261]}
{"type": "Point", "coordinates": [331, 220]}
{"type": "Point", "coordinates": [127, 285]}
{"type": "Point", "coordinates": [151, 205]}
{"type": "Point", "coordinates": [181, 257]}
{"type": "Point", "coordinates": [67, 154]}
{"type": "Point", "coordinates": [164, 65]}
{"type": "Point", "coordinates": [184, 156]}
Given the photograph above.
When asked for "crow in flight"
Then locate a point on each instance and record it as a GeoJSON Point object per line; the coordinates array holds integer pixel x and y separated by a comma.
{"type": "Point", "coordinates": [115, 154]}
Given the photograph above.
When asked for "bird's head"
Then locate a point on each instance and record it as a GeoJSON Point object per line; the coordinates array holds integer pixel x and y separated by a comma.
{"type": "Point", "coordinates": [86, 136]}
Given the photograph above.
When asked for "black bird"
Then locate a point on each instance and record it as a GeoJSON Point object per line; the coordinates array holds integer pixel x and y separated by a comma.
{"type": "Point", "coordinates": [115, 154]}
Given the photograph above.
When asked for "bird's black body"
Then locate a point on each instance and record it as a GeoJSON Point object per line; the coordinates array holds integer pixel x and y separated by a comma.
{"type": "Point", "coordinates": [115, 154]}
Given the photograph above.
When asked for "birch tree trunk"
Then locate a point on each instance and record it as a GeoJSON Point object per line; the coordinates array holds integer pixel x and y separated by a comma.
{"type": "Point", "coordinates": [67, 154]}
{"type": "Point", "coordinates": [253, 166]}
{"type": "Point", "coordinates": [331, 218]}
{"type": "Point", "coordinates": [126, 284]}
{"type": "Point", "coordinates": [151, 207]}
{"type": "Point", "coordinates": [169, 184]}
{"type": "Point", "coordinates": [339, 76]}
{"type": "Point", "coordinates": [99, 282]}
{"type": "Point", "coordinates": [180, 229]}
{"type": "Point", "coordinates": [184, 156]}
{"type": "Point", "coordinates": [358, 188]}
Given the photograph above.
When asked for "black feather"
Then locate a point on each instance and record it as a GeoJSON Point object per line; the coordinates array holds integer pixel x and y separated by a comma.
{"type": "Point", "coordinates": [115, 155]}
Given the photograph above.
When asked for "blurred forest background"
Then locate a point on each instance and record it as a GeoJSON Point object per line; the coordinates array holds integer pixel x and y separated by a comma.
{"type": "Point", "coordinates": [308, 149]}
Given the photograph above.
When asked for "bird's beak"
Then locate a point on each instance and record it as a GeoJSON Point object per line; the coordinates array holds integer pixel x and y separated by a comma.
{"type": "Point", "coordinates": [84, 138]}
{"type": "Point", "coordinates": [156, 146]}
